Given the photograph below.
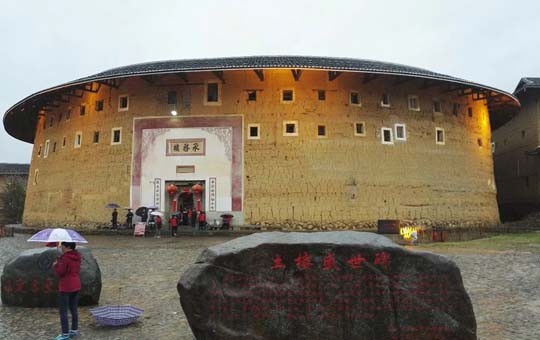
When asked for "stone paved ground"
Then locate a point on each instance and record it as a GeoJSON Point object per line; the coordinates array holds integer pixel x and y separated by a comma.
{"type": "Point", "coordinates": [504, 288]}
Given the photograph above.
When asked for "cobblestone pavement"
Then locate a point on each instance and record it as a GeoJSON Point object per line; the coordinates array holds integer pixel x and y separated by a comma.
{"type": "Point", "coordinates": [504, 288]}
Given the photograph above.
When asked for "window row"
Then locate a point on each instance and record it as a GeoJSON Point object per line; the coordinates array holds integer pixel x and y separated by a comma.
{"type": "Point", "coordinates": [388, 134]}
{"type": "Point", "coordinates": [212, 96]}
{"type": "Point", "coordinates": [116, 138]}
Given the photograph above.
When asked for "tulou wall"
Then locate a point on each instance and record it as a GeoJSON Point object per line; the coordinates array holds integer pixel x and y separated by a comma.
{"type": "Point", "coordinates": [307, 181]}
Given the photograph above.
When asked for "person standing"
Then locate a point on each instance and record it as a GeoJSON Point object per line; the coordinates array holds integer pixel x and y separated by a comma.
{"type": "Point", "coordinates": [129, 219]}
{"type": "Point", "coordinates": [173, 222]}
{"type": "Point", "coordinates": [157, 219]}
{"type": "Point", "coordinates": [114, 219]}
{"type": "Point", "coordinates": [68, 269]}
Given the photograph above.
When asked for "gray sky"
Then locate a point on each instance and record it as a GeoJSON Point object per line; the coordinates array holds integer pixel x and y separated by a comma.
{"type": "Point", "coordinates": [45, 43]}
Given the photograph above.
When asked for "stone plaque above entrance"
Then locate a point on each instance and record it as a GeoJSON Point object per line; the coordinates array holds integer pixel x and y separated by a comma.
{"type": "Point", "coordinates": [186, 147]}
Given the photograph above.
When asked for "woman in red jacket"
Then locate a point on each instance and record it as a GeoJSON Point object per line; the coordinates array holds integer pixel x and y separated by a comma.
{"type": "Point", "coordinates": [68, 269]}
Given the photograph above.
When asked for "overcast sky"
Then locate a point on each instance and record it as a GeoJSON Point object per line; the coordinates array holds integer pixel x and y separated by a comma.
{"type": "Point", "coordinates": [45, 43]}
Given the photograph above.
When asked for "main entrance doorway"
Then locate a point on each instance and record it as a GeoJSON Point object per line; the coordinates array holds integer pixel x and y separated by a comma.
{"type": "Point", "coordinates": [187, 201]}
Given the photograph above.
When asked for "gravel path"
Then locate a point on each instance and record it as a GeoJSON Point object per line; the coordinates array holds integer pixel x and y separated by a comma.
{"type": "Point", "coordinates": [504, 288]}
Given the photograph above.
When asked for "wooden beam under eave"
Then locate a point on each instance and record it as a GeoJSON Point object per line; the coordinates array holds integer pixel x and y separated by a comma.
{"type": "Point", "coordinates": [332, 75]}
{"type": "Point", "coordinates": [428, 83]}
{"type": "Point", "coordinates": [183, 76]}
{"type": "Point", "coordinates": [260, 74]}
{"type": "Point", "coordinates": [296, 74]}
{"type": "Point", "coordinates": [219, 75]}
{"type": "Point", "coordinates": [368, 78]}
{"type": "Point", "coordinates": [401, 80]}
{"type": "Point", "coordinates": [149, 79]}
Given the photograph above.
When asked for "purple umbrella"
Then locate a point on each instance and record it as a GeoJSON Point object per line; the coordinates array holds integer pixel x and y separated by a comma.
{"type": "Point", "coordinates": [116, 315]}
{"type": "Point", "coordinates": [57, 235]}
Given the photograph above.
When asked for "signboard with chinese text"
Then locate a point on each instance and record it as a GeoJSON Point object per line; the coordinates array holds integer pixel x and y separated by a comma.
{"type": "Point", "coordinates": [186, 147]}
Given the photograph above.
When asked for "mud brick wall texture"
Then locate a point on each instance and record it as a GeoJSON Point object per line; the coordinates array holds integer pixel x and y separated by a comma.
{"type": "Point", "coordinates": [341, 180]}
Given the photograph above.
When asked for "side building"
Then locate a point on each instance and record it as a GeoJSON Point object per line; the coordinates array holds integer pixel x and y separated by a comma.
{"type": "Point", "coordinates": [517, 155]}
{"type": "Point", "coordinates": [296, 142]}
{"type": "Point", "coordinates": [11, 172]}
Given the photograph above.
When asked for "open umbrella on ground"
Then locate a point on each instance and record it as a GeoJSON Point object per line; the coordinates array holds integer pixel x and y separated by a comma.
{"type": "Point", "coordinates": [57, 235]}
{"type": "Point", "coordinates": [116, 315]}
{"type": "Point", "coordinates": [112, 206]}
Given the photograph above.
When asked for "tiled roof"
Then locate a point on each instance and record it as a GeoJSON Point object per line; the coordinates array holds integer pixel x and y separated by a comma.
{"type": "Point", "coordinates": [264, 62]}
{"type": "Point", "coordinates": [525, 83]}
{"type": "Point", "coordinates": [14, 169]}
{"type": "Point", "coordinates": [20, 119]}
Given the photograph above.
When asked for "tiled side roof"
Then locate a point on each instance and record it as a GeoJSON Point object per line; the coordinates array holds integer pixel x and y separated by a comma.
{"type": "Point", "coordinates": [14, 169]}
{"type": "Point", "coordinates": [527, 82]}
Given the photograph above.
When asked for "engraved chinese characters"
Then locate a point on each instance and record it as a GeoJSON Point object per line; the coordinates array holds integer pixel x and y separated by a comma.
{"type": "Point", "coordinates": [337, 285]}
{"type": "Point", "coordinates": [29, 280]}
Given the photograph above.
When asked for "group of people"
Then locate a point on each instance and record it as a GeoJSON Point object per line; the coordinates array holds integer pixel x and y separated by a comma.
{"type": "Point", "coordinates": [187, 217]}
{"type": "Point", "coordinates": [114, 219]}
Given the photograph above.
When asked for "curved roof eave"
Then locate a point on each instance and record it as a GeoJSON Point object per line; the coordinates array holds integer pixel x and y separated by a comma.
{"type": "Point", "coordinates": [265, 62]}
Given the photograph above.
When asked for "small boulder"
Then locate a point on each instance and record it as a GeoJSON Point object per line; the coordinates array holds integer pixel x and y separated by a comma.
{"type": "Point", "coordinates": [29, 280]}
{"type": "Point", "coordinates": [325, 285]}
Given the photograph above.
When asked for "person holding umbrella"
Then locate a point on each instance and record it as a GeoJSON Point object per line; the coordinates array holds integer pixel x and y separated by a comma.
{"type": "Point", "coordinates": [68, 269]}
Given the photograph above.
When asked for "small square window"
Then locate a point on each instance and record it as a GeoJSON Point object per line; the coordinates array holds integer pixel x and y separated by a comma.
{"type": "Point", "coordinates": [321, 130]}
{"type": "Point", "coordinates": [479, 142]}
{"type": "Point", "coordinates": [321, 95]}
{"type": "Point", "coordinates": [354, 98]}
{"type": "Point", "coordinates": [401, 132]}
{"type": "Point", "coordinates": [36, 174]}
{"type": "Point", "coordinates": [290, 128]}
{"type": "Point", "coordinates": [82, 109]}
{"type": "Point", "coordinates": [385, 100]}
{"type": "Point", "coordinates": [439, 136]}
{"type": "Point", "coordinates": [437, 106]}
{"type": "Point", "coordinates": [359, 129]}
{"type": "Point", "coordinates": [212, 93]}
{"type": "Point", "coordinates": [54, 147]}
{"type": "Point", "coordinates": [171, 98]}
{"type": "Point", "coordinates": [469, 112]}
{"type": "Point", "coordinates": [78, 140]}
{"type": "Point", "coordinates": [254, 131]}
{"type": "Point", "coordinates": [99, 105]}
{"type": "Point", "coordinates": [96, 137]}
{"type": "Point", "coordinates": [456, 108]}
{"type": "Point", "coordinates": [413, 103]}
{"type": "Point", "coordinates": [386, 136]}
{"type": "Point", "coordinates": [123, 102]}
{"type": "Point", "coordinates": [116, 136]}
{"type": "Point", "coordinates": [252, 96]}
{"type": "Point", "coordinates": [287, 96]}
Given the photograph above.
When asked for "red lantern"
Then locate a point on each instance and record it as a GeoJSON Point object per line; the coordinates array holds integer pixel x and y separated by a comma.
{"type": "Point", "coordinates": [197, 188]}
{"type": "Point", "coordinates": [172, 189]}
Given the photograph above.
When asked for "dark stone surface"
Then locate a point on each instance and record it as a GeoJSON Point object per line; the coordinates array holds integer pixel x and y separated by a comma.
{"type": "Point", "coordinates": [28, 280]}
{"type": "Point", "coordinates": [333, 285]}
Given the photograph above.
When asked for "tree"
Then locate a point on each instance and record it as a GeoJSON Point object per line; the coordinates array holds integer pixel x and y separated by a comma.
{"type": "Point", "coordinates": [13, 197]}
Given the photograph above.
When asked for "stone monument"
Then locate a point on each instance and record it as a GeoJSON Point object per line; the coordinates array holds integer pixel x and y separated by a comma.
{"type": "Point", "coordinates": [325, 285]}
{"type": "Point", "coordinates": [29, 280]}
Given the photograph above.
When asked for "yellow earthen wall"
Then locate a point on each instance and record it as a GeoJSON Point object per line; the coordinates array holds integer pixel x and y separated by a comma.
{"type": "Point", "coordinates": [342, 180]}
